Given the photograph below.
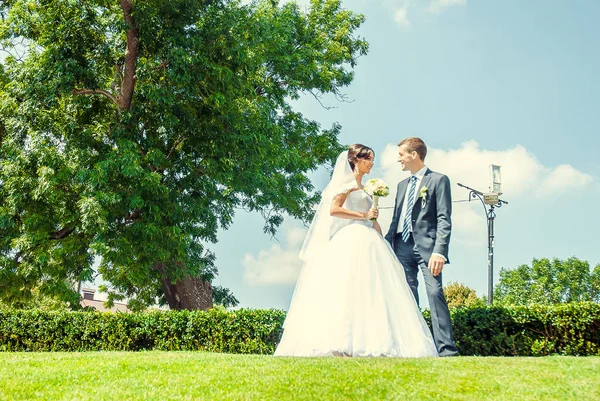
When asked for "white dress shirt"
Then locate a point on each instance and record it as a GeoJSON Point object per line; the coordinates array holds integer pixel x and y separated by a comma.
{"type": "Point", "coordinates": [419, 174]}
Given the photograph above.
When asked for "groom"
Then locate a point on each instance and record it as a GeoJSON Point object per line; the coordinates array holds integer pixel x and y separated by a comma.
{"type": "Point", "coordinates": [420, 233]}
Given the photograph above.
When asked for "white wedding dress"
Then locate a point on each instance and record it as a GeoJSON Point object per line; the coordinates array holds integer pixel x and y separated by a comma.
{"type": "Point", "coordinates": [353, 299]}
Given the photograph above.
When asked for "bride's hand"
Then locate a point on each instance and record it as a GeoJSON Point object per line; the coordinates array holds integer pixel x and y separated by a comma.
{"type": "Point", "coordinates": [372, 214]}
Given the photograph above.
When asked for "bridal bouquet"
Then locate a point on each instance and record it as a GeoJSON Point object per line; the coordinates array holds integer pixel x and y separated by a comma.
{"type": "Point", "coordinates": [376, 188]}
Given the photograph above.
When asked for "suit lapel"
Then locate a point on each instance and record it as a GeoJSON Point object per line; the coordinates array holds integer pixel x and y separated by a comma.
{"type": "Point", "coordinates": [424, 183]}
{"type": "Point", "coordinates": [401, 195]}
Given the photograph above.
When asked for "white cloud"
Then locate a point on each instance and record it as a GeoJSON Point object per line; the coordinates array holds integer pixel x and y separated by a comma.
{"type": "Point", "coordinates": [418, 9]}
{"type": "Point", "coordinates": [277, 265]}
{"type": "Point", "coordinates": [522, 176]}
{"type": "Point", "coordinates": [438, 6]}
{"type": "Point", "coordinates": [401, 17]}
{"type": "Point", "coordinates": [563, 178]}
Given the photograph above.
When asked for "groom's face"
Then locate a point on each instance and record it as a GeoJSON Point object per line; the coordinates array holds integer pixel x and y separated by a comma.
{"type": "Point", "coordinates": [406, 158]}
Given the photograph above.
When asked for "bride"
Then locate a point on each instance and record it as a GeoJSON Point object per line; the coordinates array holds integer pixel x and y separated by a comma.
{"type": "Point", "coordinates": [352, 298]}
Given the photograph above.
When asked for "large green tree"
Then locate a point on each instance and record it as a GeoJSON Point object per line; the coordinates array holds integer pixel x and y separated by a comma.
{"type": "Point", "coordinates": [549, 282]}
{"type": "Point", "coordinates": [132, 130]}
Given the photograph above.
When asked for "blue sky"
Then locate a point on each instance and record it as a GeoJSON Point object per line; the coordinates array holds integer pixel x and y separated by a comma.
{"type": "Point", "coordinates": [508, 82]}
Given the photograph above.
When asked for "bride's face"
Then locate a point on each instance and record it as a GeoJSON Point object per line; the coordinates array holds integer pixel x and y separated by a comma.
{"type": "Point", "coordinates": [364, 166]}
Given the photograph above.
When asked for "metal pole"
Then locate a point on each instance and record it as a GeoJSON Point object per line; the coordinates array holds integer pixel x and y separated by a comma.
{"type": "Point", "coordinates": [491, 216]}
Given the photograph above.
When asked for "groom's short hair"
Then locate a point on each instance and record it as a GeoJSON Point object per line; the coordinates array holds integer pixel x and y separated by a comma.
{"type": "Point", "coordinates": [415, 144]}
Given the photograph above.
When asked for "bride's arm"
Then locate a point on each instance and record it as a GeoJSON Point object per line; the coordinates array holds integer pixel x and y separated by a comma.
{"type": "Point", "coordinates": [377, 227]}
{"type": "Point", "coordinates": [337, 210]}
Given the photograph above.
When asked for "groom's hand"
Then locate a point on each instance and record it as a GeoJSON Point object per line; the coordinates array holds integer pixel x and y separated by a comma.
{"type": "Point", "coordinates": [436, 264]}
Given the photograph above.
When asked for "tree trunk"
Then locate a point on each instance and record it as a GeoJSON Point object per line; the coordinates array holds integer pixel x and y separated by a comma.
{"type": "Point", "coordinates": [131, 56]}
{"type": "Point", "coordinates": [189, 293]}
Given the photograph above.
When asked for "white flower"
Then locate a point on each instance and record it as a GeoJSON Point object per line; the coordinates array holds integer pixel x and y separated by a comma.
{"type": "Point", "coordinates": [423, 195]}
{"type": "Point", "coordinates": [376, 187]}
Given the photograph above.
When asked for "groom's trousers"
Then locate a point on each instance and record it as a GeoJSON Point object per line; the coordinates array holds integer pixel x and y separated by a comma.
{"type": "Point", "coordinates": [440, 315]}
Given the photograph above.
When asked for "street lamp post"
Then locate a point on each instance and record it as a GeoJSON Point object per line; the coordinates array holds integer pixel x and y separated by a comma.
{"type": "Point", "coordinates": [492, 201]}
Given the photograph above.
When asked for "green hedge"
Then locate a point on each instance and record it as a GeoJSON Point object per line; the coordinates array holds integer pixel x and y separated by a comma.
{"type": "Point", "coordinates": [571, 329]}
{"type": "Point", "coordinates": [568, 329]}
{"type": "Point", "coordinates": [242, 331]}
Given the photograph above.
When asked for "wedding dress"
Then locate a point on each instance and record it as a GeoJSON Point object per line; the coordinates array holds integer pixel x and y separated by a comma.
{"type": "Point", "coordinates": [351, 297]}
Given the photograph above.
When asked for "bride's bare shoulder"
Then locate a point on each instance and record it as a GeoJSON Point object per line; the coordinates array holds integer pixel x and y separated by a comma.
{"type": "Point", "coordinates": [348, 191]}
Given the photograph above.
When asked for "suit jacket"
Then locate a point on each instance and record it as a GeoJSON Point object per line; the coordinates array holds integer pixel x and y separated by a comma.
{"type": "Point", "coordinates": [431, 222]}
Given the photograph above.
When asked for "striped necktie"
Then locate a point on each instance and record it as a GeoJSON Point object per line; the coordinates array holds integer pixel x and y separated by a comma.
{"type": "Point", "coordinates": [408, 212]}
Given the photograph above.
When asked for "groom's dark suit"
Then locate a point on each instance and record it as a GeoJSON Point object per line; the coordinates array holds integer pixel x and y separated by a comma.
{"type": "Point", "coordinates": [430, 234]}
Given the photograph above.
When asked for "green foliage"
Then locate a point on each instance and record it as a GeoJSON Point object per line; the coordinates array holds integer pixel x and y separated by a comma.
{"type": "Point", "coordinates": [458, 294]}
{"type": "Point", "coordinates": [571, 329]}
{"type": "Point", "coordinates": [549, 282]}
{"type": "Point", "coordinates": [36, 300]}
{"type": "Point", "coordinates": [224, 297]}
{"type": "Point", "coordinates": [241, 331]}
{"type": "Point", "coordinates": [536, 330]}
{"type": "Point", "coordinates": [134, 135]}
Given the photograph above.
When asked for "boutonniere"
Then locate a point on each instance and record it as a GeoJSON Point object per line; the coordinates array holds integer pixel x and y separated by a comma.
{"type": "Point", "coordinates": [423, 196]}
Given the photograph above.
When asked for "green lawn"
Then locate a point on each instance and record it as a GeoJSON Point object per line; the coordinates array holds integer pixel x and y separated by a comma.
{"type": "Point", "coordinates": [203, 376]}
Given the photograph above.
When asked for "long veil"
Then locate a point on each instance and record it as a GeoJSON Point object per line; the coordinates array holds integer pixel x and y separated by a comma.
{"type": "Point", "coordinates": [323, 225]}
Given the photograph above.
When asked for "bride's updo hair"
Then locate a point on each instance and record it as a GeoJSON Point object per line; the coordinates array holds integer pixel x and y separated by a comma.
{"type": "Point", "coordinates": [358, 151]}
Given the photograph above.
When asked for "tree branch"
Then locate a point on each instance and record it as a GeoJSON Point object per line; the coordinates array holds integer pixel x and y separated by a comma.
{"type": "Point", "coordinates": [124, 92]}
{"type": "Point", "coordinates": [318, 97]}
{"type": "Point", "coordinates": [177, 142]}
{"type": "Point", "coordinates": [13, 49]}
{"type": "Point", "coordinates": [135, 215]}
{"type": "Point", "coordinates": [60, 234]}
{"type": "Point", "coordinates": [96, 92]}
